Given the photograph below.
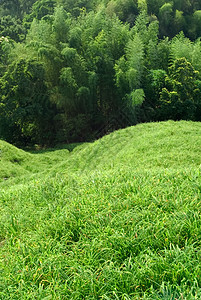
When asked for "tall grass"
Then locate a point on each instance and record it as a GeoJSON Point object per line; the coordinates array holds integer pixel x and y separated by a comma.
{"type": "Point", "coordinates": [115, 219]}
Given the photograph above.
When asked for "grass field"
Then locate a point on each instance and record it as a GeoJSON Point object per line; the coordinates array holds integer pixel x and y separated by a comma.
{"type": "Point", "coordinates": [115, 219]}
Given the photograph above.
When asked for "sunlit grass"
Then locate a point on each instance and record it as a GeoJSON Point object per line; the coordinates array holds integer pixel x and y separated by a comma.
{"type": "Point", "coordinates": [114, 219]}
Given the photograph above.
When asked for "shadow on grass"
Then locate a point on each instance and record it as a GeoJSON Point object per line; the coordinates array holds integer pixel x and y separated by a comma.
{"type": "Point", "coordinates": [37, 149]}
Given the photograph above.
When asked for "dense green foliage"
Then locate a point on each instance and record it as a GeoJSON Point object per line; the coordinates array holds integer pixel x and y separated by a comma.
{"type": "Point", "coordinates": [71, 71]}
{"type": "Point", "coordinates": [115, 219]}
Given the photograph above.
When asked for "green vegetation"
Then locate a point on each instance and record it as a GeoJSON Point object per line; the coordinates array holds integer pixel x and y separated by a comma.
{"type": "Point", "coordinates": [115, 219]}
{"type": "Point", "coordinates": [72, 71]}
{"type": "Point", "coordinates": [17, 165]}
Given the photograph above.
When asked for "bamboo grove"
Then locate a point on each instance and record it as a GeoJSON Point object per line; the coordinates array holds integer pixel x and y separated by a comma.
{"type": "Point", "coordinates": [72, 71]}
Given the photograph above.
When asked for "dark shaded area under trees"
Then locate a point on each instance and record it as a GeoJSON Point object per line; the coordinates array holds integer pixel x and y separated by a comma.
{"type": "Point", "coordinates": [72, 71]}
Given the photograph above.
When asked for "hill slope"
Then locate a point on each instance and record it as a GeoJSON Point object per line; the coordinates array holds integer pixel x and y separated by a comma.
{"type": "Point", "coordinates": [165, 144]}
{"type": "Point", "coordinates": [115, 219]}
{"type": "Point", "coordinates": [18, 166]}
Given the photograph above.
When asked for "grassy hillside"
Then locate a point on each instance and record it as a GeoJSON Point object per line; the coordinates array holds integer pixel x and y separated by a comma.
{"type": "Point", "coordinates": [165, 144]}
{"type": "Point", "coordinates": [17, 166]}
{"type": "Point", "coordinates": [115, 219]}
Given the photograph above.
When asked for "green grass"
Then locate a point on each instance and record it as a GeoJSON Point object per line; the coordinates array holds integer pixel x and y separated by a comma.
{"type": "Point", "coordinates": [115, 219]}
{"type": "Point", "coordinates": [18, 166]}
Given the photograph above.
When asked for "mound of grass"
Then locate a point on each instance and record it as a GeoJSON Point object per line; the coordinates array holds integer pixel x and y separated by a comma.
{"type": "Point", "coordinates": [18, 166]}
{"type": "Point", "coordinates": [165, 144]}
{"type": "Point", "coordinates": [115, 219]}
{"type": "Point", "coordinates": [12, 160]}
{"type": "Point", "coordinates": [145, 146]}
